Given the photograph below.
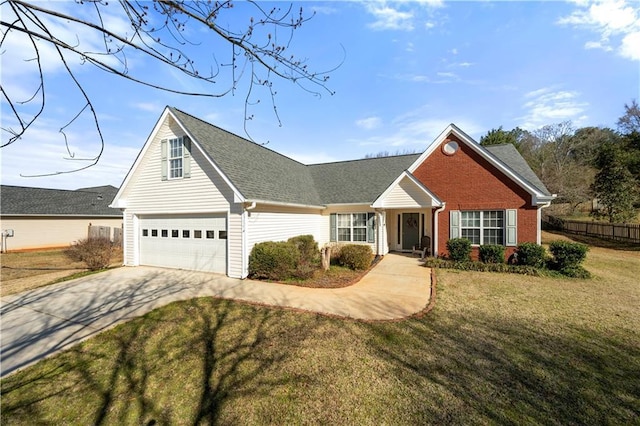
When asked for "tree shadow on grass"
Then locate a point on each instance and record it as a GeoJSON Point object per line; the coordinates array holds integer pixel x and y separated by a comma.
{"type": "Point", "coordinates": [491, 369]}
{"type": "Point", "coordinates": [179, 364]}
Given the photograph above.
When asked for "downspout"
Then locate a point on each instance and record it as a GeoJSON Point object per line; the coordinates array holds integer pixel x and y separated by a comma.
{"type": "Point", "coordinates": [435, 229]}
{"type": "Point", "coordinates": [245, 254]}
{"type": "Point", "coordinates": [381, 224]}
{"type": "Point", "coordinates": [539, 230]}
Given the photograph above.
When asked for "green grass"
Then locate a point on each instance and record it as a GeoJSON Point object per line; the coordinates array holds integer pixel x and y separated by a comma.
{"type": "Point", "coordinates": [496, 349]}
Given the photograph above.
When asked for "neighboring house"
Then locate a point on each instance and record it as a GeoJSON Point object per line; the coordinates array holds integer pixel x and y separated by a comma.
{"type": "Point", "coordinates": [50, 218]}
{"type": "Point", "coordinates": [198, 197]}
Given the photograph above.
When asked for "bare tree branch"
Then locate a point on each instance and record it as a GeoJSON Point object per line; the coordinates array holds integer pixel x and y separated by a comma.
{"type": "Point", "coordinates": [160, 31]}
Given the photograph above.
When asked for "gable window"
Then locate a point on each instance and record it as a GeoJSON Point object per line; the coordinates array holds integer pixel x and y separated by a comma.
{"type": "Point", "coordinates": [175, 158]}
{"type": "Point", "coordinates": [353, 227]}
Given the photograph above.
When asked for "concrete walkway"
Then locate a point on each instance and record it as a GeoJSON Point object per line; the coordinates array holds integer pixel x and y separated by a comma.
{"type": "Point", "coordinates": [41, 322]}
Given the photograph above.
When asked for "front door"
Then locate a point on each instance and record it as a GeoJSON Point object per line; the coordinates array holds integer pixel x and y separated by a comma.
{"type": "Point", "coordinates": [410, 230]}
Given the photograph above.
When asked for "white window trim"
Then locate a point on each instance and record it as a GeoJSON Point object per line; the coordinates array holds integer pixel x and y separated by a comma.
{"type": "Point", "coordinates": [180, 142]}
{"type": "Point", "coordinates": [351, 227]}
{"type": "Point", "coordinates": [482, 227]}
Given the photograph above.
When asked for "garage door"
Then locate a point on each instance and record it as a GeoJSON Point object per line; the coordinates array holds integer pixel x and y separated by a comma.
{"type": "Point", "coordinates": [186, 242]}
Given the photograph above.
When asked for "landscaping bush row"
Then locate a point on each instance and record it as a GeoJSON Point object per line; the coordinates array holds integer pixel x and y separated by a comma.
{"type": "Point", "coordinates": [469, 265]}
{"type": "Point", "coordinates": [566, 258]}
{"type": "Point", "coordinates": [299, 258]}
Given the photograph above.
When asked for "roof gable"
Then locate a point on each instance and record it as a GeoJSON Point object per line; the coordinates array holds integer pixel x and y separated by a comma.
{"type": "Point", "coordinates": [407, 191]}
{"type": "Point", "coordinates": [540, 195]}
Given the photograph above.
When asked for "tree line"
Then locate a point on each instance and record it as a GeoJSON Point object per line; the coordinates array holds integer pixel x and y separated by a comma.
{"type": "Point", "coordinates": [580, 164]}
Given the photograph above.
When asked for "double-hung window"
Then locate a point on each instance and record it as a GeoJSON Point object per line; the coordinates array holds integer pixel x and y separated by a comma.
{"type": "Point", "coordinates": [352, 227]}
{"type": "Point", "coordinates": [483, 227]}
{"type": "Point", "coordinates": [175, 158]}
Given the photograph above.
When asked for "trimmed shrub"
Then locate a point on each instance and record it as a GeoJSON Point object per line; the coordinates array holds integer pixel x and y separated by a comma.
{"type": "Point", "coordinates": [459, 249]}
{"type": "Point", "coordinates": [567, 255]}
{"type": "Point", "coordinates": [482, 267]}
{"type": "Point", "coordinates": [531, 254]}
{"type": "Point", "coordinates": [356, 256]}
{"type": "Point", "coordinates": [274, 260]}
{"type": "Point", "coordinates": [94, 252]}
{"type": "Point", "coordinates": [575, 272]}
{"type": "Point", "coordinates": [492, 253]}
{"type": "Point", "coordinates": [307, 247]}
{"type": "Point", "coordinates": [304, 271]}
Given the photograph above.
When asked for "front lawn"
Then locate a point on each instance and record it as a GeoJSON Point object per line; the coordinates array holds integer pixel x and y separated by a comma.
{"type": "Point", "coordinates": [22, 271]}
{"type": "Point", "coordinates": [497, 348]}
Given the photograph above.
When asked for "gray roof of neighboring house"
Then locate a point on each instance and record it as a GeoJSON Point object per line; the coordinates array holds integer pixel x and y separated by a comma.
{"type": "Point", "coordinates": [261, 174]}
{"type": "Point", "coordinates": [26, 201]}
{"type": "Point", "coordinates": [510, 157]}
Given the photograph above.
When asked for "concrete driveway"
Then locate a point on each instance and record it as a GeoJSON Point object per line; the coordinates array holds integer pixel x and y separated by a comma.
{"type": "Point", "coordinates": [41, 322]}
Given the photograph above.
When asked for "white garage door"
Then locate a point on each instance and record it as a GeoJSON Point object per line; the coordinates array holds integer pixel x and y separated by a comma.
{"type": "Point", "coordinates": [185, 242]}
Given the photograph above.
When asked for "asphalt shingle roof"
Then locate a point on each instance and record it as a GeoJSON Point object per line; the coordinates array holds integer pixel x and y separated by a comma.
{"type": "Point", "coordinates": [20, 200]}
{"type": "Point", "coordinates": [256, 171]}
{"type": "Point", "coordinates": [509, 156]}
{"type": "Point", "coordinates": [358, 181]}
{"type": "Point", "coordinates": [265, 175]}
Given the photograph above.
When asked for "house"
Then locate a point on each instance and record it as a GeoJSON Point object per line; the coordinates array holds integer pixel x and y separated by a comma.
{"type": "Point", "coordinates": [198, 197]}
{"type": "Point", "coordinates": [40, 218]}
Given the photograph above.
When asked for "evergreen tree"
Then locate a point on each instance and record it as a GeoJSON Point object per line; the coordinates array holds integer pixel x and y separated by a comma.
{"type": "Point", "coordinates": [614, 185]}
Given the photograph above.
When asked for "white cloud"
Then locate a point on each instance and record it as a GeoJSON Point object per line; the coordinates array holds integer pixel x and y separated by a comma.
{"type": "Point", "coordinates": [47, 154]}
{"type": "Point", "coordinates": [597, 45]}
{"type": "Point", "coordinates": [388, 18]}
{"type": "Point", "coordinates": [617, 23]}
{"type": "Point", "coordinates": [413, 131]}
{"type": "Point", "coordinates": [148, 107]}
{"type": "Point", "coordinates": [324, 10]}
{"type": "Point", "coordinates": [548, 105]}
{"type": "Point", "coordinates": [630, 47]}
{"type": "Point", "coordinates": [369, 123]}
{"type": "Point", "coordinates": [18, 49]}
{"type": "Point", "coordinates": [402, 15]}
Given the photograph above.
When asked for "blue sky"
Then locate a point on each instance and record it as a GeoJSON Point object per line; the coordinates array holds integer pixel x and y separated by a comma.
{"type": "Point", "coordinates": [408, 69]}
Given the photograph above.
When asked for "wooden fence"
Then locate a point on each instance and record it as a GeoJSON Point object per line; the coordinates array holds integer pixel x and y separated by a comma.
{"type": "Point", "coordinates": [629, 233]}
{"type": "Point", "coordinates": [105, 232]}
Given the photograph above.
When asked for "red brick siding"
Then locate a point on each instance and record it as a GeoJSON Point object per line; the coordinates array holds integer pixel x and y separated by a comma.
{"type": "Point", "coordinates": [466, 181]}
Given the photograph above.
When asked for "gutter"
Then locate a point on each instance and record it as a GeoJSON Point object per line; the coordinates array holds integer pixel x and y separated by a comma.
{"type": "Point", "coordinates": [283, 204]}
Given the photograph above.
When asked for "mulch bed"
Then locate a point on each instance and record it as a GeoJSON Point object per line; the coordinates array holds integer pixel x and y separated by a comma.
{"type": "Point", "coordinates": [335, 277]}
